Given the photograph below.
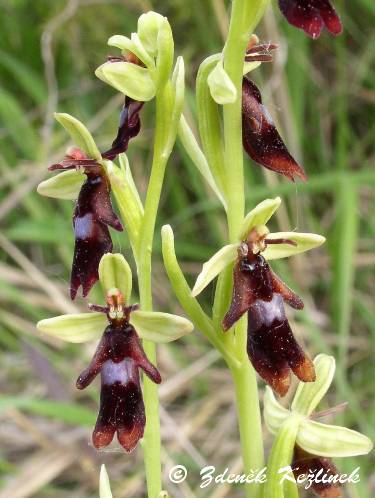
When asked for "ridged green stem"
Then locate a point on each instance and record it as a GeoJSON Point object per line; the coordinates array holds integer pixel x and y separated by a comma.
{"type": "Point", "coordinates": [244, 17]}
{"type": "Point", "coordinates": [162, 150]}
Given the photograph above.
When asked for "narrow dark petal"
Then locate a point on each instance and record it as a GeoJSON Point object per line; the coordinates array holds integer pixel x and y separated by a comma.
{"type": "Point", "coordinates": [311, 16]}
{"type": "Point", "coordinates": [305, 463]}
{"type": "Point", "coordinates": [260, 137]}
{"type": "Point", "coordinates": [258, 58]}
{"type": "Point", "coordinates": [101, 355]}
{"type": "Point", "coordinates": [272, 347]}
{"type": "Point", "coordinates": [129, 127]}
{"type": "Point", "coordinates": [289, 296]}
{"type": "Point", "coordinates": [263, 47]}
{"type": "Point", "coordinates": [69, 163]}
{"type": "Point", "coordinates": [74, 159]}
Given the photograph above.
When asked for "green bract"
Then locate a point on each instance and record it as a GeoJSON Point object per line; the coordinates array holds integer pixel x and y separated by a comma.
{"type": "Point", "coordinates": [195, 153]}
{"type": "Point", "coordinates": [126, 195]}
{"type": "Point", "coordinates": [114, 272]}
{"type": "Point", "coordinates": [256, 219]}
{"type": "Point", "coordinates": [314, 437]}
{"type": "Point", "coordinates": [104, 485]}
{"type": "Point", "coordinates": [221, 86]}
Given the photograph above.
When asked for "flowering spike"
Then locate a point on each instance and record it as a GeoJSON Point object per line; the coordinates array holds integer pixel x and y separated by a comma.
{"type": "Point", "coordinates": [260, 137]}
{"type": "Point", "coordinates": [311, 16]}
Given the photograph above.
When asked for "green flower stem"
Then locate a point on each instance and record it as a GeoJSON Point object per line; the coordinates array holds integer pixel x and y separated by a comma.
{"type": "Point", "coordinates": [248, 420]}
{"type": "Point", "coordinates": [244, 17]}
{"type": "Point", "coordinates": [162, 148]}
{"type": "Point", "coordinates": [280, 457]}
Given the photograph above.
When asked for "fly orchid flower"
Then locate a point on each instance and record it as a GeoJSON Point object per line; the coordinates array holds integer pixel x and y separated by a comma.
{"type": "Point", "coordinates": [271, 346]}
{"type": "Point", "coordinates": [119, 355]}
{"type": "Point", "coordinates": [260, 138]}
{"type": "Point", "coordinates": [93, 212]}
{"type": "Point", "coordinates": [311, 16]}
{"type": "Point", "coordinates": [144, 66]}
{"type": "Point", "coordinates": [308, 445]}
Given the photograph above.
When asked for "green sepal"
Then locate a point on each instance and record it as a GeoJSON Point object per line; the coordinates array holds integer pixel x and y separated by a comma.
{"type": "Point", "coordinates": [309, 394]}
{"type": "Point", "coordinates": [160, 327]}
{"type": "Point", "coordinates": [79, 134]}
{"type": "Point", "coordinates": [65, 185]}
{"type": "Point", "coordinates": [80, 327]}
{"type": "Point", "coordinates": [115, 273]}
{"type": "Point", "coordinates": [215, 265]}
{"type": "Point", "coordinates": [134, 81]}
{"type": "Point", "coordinates": [331, 440]}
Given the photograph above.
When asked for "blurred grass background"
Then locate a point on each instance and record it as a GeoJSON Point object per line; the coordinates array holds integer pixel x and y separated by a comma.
{"type": "Point", "coordinates": [320, 93]}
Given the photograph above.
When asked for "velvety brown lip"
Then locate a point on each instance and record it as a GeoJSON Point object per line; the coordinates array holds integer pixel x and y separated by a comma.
{"type": "Point", "coordinates": [260, 138]}
{"type": "Point", "coordinates": [311, 16]}
{"type": "Point", "coordinates": [118, 358]}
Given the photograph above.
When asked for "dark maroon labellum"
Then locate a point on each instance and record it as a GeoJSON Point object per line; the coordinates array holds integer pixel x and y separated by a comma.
{"type": "Point", "coordinates": [260, 137]}
{"type": "Point", "coordinates": [118, 358]}
{"type": "Point", "coordinates": [271, 346]}
{"type": "Point", "coordinates": [129, 127]}
{"type": "Point", "coordinates": [311, 16]}
{"type": "Point", "coordinates": [92, 215]}
{"type": "Point", "coordinates": [305, 463]}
